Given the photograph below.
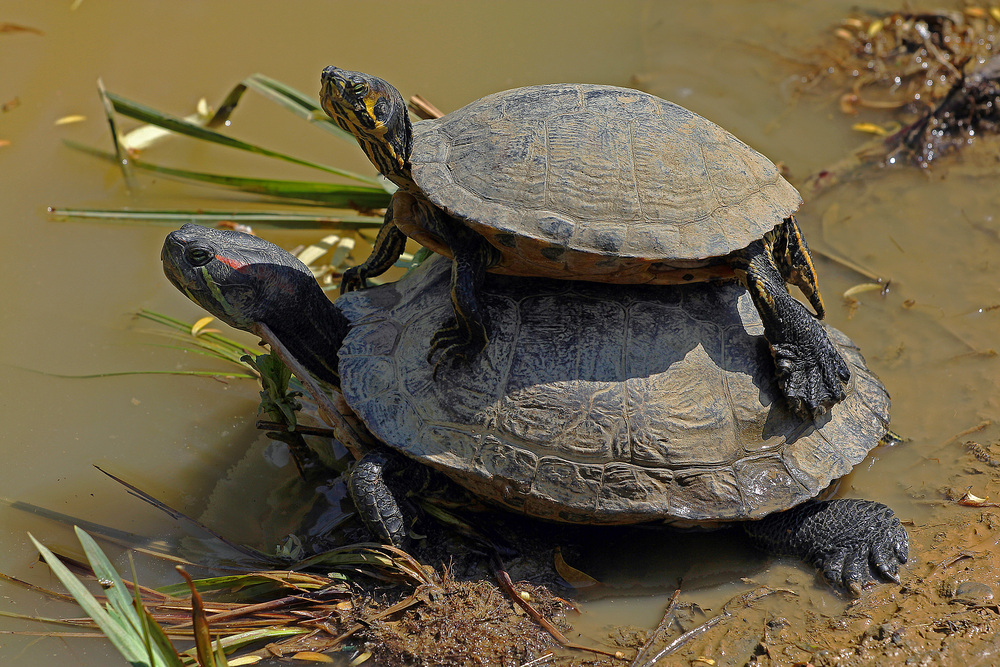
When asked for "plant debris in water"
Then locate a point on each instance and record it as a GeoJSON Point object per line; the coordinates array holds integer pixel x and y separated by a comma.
{"type": "Point", "coordinates": [431, 618]}
{"type": "Point", "coordinates": [937, 70]}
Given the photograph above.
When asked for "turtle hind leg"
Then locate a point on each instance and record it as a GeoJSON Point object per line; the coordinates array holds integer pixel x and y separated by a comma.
{"type": "Point", "coordinates": [791, 255]}
{"type": "Point", "coordinates": [850, 541]}
{"type": "Point", "coordinates": [465, 336]}
{"type": "Point", "coordinates": [386, 249]}
{"type": "Point", "coordinates": [810, 370]}
{"type": "Point", "coordinates": [381, 506]}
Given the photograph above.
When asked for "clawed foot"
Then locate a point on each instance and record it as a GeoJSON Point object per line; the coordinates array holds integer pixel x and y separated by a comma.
{"type": "Point", "coordinates": [850, 541]}
{"type": "Point", "coordinates": [354, 278]}
{"type": "Point", "coordinates": [859, 541]}
{"type": "Point", "coordinates": [458, 343]}
{"type": "Point", "coordinates": [811, 373]}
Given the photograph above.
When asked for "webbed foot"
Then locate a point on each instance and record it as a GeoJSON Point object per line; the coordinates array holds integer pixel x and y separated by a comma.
{"type": "Point", "coordinates": [811, 372]}
{"type": "Point", "coordinates": [852, 542]}
{"type": "Point", "coordinates": [354, 278]}
{"type": "Point", "coordinates": [459, 341]}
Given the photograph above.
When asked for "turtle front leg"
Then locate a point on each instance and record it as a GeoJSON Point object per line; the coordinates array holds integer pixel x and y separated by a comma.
{"type": "Point", "coordinates": [850, 541]}
{"type": "Point", "coordinates": [388, 247]}
{"type": "Point", "coordinates": [466, 335]}
{"type": "Point", "coordinates": [791, 255]}
{"type": "Point", "coordinates": [810, 370]}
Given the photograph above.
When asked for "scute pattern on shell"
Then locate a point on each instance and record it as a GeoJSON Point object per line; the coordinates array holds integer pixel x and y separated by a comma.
{"type": "Point", "coordinates": [602, 405]}
{"type": "Point", "coordinates": [598, 169]}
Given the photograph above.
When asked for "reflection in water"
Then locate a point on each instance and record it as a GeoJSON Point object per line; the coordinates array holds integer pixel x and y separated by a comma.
{"type": "Point", "coordinates": [69, 287]}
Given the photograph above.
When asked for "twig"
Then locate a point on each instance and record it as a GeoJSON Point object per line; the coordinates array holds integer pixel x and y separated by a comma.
{"type": "Point", "coordinates": [743, 600]}
{"type": "Point", "coordinates": [356, 442]}
{"type": "Point", "coordinates": [660, 630]}
{"type": "Point", "coordinates": [685, 638]}
{"type": "Point", "coordinates": [321, 431]}
{"type": "Point", "coordinates": [846, 263]}
{"type": "Point", "coordinates": [424, 109]}
{"type": "Point", "coordinates": [948, 562]}
{"type": "Point", "coordinates": [505, 583]}
{"type": "Point", "coordinates": [540, 659]}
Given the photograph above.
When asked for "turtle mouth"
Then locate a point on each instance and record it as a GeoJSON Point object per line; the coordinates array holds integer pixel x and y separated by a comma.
{"type": "Point", "coordinates": [174, 262]}
{"type": "Point", "coordinates": [334, 86]}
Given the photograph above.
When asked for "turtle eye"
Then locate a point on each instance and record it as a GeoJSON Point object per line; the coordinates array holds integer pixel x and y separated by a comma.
{"type": "Point", "coordinates": [198, 256]}
{"type": "Point", "coordinates": [359, 87]}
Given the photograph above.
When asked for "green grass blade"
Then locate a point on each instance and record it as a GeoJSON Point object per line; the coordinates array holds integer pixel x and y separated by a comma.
{"type": "Point", "coordinates": [232, 583]}
{"type": "Point", "coordinates": [185, 327]}
{"type": "Point", "coordinates": [299, 103]}
{"type": "Point", "coordinates": [265, 219]}
{"type": "Point", "coordinates": [205, 350]}
{"type": "Point", "coordinates": [329, 194]}
{"type": "Point", "coordinates": [211, 374]}
{"type": "Point", "coordinates": [121, 157]}
{"type": "Point", "coordinates": [114, 588]}
{"type": "Point", "coordinates": [173, 123]}
{"type": "Point", "coordinates": [151, 630]}
{"type": "Point", "coordinates": [233, 642]}
{"type": "Point", "coordinates": [127, 643]}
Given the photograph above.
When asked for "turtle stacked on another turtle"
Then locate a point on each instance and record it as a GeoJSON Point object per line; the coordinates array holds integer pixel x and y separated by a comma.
{"type": "Point", "coordinates": [592, 404]}
{"type": "Point", "coordinates": [587, 182]}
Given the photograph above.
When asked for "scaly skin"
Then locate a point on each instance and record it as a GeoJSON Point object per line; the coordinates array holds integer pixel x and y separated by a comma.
{"type": "Point", "coordinates": [379, 508]}
{"type": "Point", "coordinates": [850, 541]}
{"type": "Point", "coordinates": [387, 248]}
{"type": "Point", "coordinates": [245, 280]}
{"type": "Point", "coordinates": [375, 113]}
{"type": "Point", "coordinates": [811, 372]}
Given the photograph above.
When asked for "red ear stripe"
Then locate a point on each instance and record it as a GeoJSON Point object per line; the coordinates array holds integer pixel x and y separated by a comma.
{"type": "Point", "coordinates": [236, 264]}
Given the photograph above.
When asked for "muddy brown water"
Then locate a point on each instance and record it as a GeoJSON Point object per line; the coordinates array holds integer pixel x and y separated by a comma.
{"type": "Point", "coordinates": [70, 289]}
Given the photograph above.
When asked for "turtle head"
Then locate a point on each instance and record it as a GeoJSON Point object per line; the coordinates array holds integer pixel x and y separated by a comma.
{"type": "Point", "coordinates": [246, 281]}
{"type": "Point", "coordinates": [375, 113]}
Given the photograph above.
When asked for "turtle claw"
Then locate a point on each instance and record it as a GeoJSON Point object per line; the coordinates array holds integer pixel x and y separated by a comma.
{"type": "Point", "coordinates": [851, 542]}
{"type": "Point", "coordinates": [861, 541]}
{"type": "Point", "coordinates": [354, 278]}
{"type": "Point", "coordinates": [457, 343]}
{"type": "Point", "coordinates": [812, 376]}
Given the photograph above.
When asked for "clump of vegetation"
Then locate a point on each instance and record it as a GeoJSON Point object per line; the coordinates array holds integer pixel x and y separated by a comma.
{"type": "Point", "coordinates": [936, 72]}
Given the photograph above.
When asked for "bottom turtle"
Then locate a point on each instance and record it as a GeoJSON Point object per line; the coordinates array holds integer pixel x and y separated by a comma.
{"type": "Point", "coordinates": [594, 403]}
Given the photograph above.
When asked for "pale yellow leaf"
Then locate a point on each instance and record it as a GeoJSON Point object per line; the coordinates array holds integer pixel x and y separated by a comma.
{"type": "Point", "coordinates": [570, 574]}
{"type": "Point", "coordinates": [312, 656]}
{"type": "Point", "coordinates": [199, 326]}
{"type": "Point", "coordinates": [69, 120]}
{"type": "Point", "coordinates": [862, 288]}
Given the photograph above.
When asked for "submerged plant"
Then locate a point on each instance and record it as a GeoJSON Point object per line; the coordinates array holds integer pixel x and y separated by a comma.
{"type": "Point", "coordinates": [290, 611]}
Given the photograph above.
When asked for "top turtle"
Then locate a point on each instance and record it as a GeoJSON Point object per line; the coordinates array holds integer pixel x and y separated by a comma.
{"type": "Point", "coordinates": [589, 182]}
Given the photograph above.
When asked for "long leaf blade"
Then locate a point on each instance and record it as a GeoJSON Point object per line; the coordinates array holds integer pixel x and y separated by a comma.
{"type": "Point", "coordinates": [266, 219]}
{"type": "Point", "coordinates": [297, 102]}
{"type": "Point", "coordinates": [152, 631]}
{"type": "Point", "coordinates": [112, 628]}
{"type": "Point", "coordinates": [173, 123]}
{"type": "Point", "coordinates": [330, 194]}
{"type": "Point", "coordinates": [119, 597]}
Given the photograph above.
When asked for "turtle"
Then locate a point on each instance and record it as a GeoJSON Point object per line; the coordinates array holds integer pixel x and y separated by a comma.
{"type": "Point", "coordinates": [588, 182]}
{"type": "Point", "coordinates": [594, 404]}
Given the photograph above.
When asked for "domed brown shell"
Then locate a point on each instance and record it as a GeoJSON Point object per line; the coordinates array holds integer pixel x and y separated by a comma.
{"type": "Point", "coordinates": [598, 404]}
{"type": "Point", "coordinates": [610, 173]}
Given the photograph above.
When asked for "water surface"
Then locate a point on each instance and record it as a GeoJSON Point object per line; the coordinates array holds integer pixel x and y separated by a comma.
{"type": "Point", "coordinates": [70, 289]}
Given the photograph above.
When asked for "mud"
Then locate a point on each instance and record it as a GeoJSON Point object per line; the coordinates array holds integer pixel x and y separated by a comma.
{"type": "Point", "coordinates": [466, 623]}
{"type": "Point", "coordinates": [930, 235]}
{"type": "Point", "coordinates": [946, 612]}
